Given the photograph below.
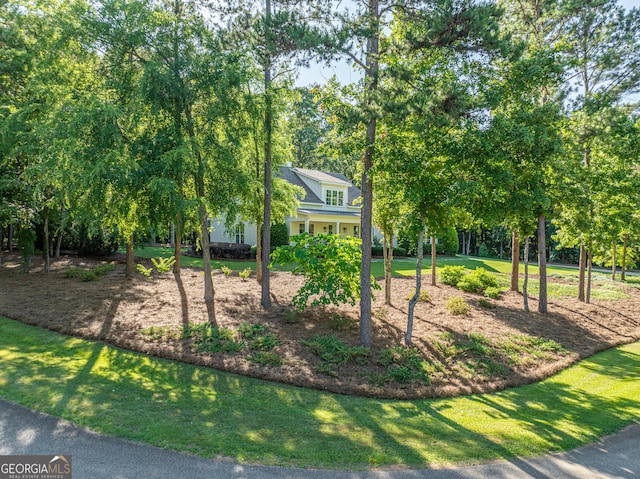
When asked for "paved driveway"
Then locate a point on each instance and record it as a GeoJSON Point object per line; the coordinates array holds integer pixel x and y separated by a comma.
{"type": "Point", "coordinates": [98, 457]}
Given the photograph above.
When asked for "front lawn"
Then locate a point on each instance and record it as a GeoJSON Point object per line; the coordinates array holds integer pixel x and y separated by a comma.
{"type": "Point", "coordinates": [209, 413]}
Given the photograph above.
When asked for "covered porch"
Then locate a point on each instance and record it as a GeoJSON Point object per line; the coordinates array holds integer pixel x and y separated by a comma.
{"type": "Point", "coordinates": [342, 223]}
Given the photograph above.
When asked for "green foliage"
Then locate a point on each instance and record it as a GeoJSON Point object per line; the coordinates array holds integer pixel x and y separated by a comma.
{"type": "Point", "coordinates": [397, 251]}
{"type": "Point", "coordinates": [212, 339]}
{"type": "Point", "coordinates": [330, 265]}
{"type": "Point", "coordinates": [405, 365]}
{"type": "Point", "coordinates": [483, 251]}
{"type": "Point", "coordinates": [279, 235]}
{"type": "Point", "coordinates": [266, 358]}
{"type": "Point", "coordinates": [449, 241]}
{"type": "Point", "coordinates": [245, 273]}
{"type": "Point", "coordinates": [425, 296]}
{"type": "Point", "coordinates": [334, 353]}
{"type": "Point", "coordinates": [146, 272]}
{"type": "Point", "coordinates": [492, 292]}
{"type": "Point", "coordinates": [225, 270]}
{"type": "Point", "coordinates": [451, 275]}
{"type": "Point", "coordinates": [478, 281]}
{"type": "Point", "coordinates": [249, 331]}
{"type": "Point", "coordinates": [93, 274]}
{"type": "Point", "coordinates": [457, 305]}
{"type": "Point", "coordinates": [265, 342]}
{"type": "Point", "coordinates": [90, 242]}
{"type": "Point", "coordinates": [157, 333]}
{"type": "Point", "coordinates": [163, 264]}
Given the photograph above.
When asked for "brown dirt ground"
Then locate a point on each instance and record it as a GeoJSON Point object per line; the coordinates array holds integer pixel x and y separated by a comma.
{"type": "Point", "coordinates": [115, 310]}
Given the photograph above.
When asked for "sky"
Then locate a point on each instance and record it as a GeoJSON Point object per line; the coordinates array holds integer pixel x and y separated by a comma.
{"type": "Point", "coordinates": [346, 73]}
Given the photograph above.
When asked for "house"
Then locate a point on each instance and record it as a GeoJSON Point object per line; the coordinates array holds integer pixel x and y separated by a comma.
{"type": "Point", "coordinates": [327, 207]}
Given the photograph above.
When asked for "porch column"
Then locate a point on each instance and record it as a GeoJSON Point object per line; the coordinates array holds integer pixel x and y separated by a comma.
{"type": "Point", "coordinates": [306, 225]}
{"type": "Point", "coordinates": [338, 228]}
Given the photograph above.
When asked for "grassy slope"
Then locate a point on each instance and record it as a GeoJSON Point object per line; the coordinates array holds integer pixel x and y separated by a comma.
{"type": "Point", "coordinates": [209, 413]}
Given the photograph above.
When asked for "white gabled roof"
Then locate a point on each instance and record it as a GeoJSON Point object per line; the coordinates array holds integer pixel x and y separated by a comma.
{"type": "Point", "coordinates": [321, 177]}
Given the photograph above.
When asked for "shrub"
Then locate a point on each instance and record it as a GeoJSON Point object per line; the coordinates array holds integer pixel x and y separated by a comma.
{"type": "Point", "coordinates": [265, 342]}
{"type": "Point", "coordinates": [225, 270]}
{"type": "Point", "coordinates": [492, 292]}
{"type": "Point", "coordinates": [245, 273]}
{"type": "Point", "coordinates": [478, 281]}
{"type": "Point", "coordinates": [449, 241]}
{"type": "Point", "coordinates": [339, 323]}
{"type": "Point", "coordinates": [457, 305]}
{"type": "Point", "coordinates": [397, 251]}
{"type": "Point", "coordinates": [451, 275]}
{"type": "Point", "coordinates": [248, 331]}
{"type": "Point", "coordinates": [163, 264]}
{"type": "Point", "coordinates": [291, 316]}
{"type": "Point", "coordinates": [146, 272]}
{"type": "Point", "coordinates": [330, 265]}
{"type": "Point", "coordinates": [483, 251]}
{"type": "Point", "coordinates": [90, 274]}
{"type": "Point", "coordinates": [425, 297]}
{"type": "Point", "coordinates": [279, 235]}
{"type": "Point", "coordinates": [79, 238]}
{"type": "Point", "coordinates": [405, 364]}
{"type": "Point", "coordinates": [332, 351]}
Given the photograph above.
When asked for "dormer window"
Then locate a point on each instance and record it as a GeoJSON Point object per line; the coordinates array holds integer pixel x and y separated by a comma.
{"type": "Point", "coordinates": [335, 198]}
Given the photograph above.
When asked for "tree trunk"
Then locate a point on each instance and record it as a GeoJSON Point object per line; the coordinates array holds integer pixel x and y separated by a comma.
{"type": "Point", "coordinates": [515, 261]}
{"type": "Point", "coordinates": [1, 243]}
{"type": "Point", "coordinates": [463, 243]}
{"type": "Point", "coordinates": [623, 266]}
{"type": "Point", "coordinates": [177, 243]}
{"type": "Point", "coordinates": [387, 251]}
{"type": "Point", "coordinates": [613, 261]}
{"type": "Point", "coordinates": [206, 259]}
{"type": "Point", "coordinates": [45, 244]}
{"type": "Point", "coordinates": [583, 266]}
{"type": "Point", "coordinates": [542, 264]}
{"type": "Point", "coordinates": [526, 275]}
{"type": "Point", "coordinates": [371, 84]}
{"type": "Point", "coordinates": [266, 224]}
{"type": "Point", "coordinates": [10, 239]}
{"type": "Point", "coordinates": [433, 260]}
{"type": "Point", "coordinates": [589, 265]}
{"type": "Point", "coordinates": [259, 251]}
{"type": "Point", "coordinates": [416, 296]}
{"type": "Point", "coordinates": [469, 244]}
{"type": "Point", "coordinates": [130, 259]}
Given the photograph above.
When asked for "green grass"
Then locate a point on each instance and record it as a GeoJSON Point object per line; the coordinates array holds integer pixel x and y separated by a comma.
{"type": "Point", "coordinates": [208, 413]}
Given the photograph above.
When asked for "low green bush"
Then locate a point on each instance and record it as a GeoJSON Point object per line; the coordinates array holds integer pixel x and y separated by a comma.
{"type": "Point", "coordinates": [492, 292]}
{"type": "Point", "coordinates": [457, 305]}
{"type": "Point", "coordinates": [397, 251]}
{"type": "Point", "coordinates": [451, 275]}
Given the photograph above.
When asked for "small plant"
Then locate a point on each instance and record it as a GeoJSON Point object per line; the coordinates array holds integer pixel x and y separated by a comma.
{"type": "Point", "coordinates": [457, 305]}
{"type": "Point", "coordinates": [333, 352]}
{"type": "Point", "coordinates": [163, 265]}
{"type": "Point", "coordinates": [225, 270]}
{"type": "Point", "coordinates": [266, 358]}
{"type": "Point", "coordinates": [156, 333]}
{"type": "Point", "coordinates": [146, 272]}
{"type": "Point", "coordinates": [477, 281]}
{"type": "Point", "coordinates": [492, 292]}
{"type": "Point", "coordinates": [249, 331]}
{"type": "Point", "coordinates": [264, 343]}
{"type": "Point", "coordinates": [425, 296]}
{"type": "Point", "coordinates": [339, 323]}
{"type": "Point", "coordinates": [245, 273]}
{"type": "Point", "coordinates": [405, 365]}
{"type": "Point", "coordinates": [451, 275]}
{"type": "Point", "coordinates": [291, 316]}
{"type": "Point", "coordinates": [212, 339]}
{"type": "Point", "coordinates": [486, 304]}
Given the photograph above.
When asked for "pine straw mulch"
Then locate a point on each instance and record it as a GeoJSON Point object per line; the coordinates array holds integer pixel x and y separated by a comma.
{"type": "Point", "coordinates": [457, 354]}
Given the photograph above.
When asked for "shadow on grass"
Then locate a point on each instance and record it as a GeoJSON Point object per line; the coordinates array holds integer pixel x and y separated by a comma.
{"type": "Point", "coordinates": [208, 413]}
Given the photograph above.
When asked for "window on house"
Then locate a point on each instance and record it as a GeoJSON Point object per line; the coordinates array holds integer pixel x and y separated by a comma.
{"type": "Point", "coordinates": [301, 230]}
{"type": "Point", "coordinates": [330, 229]}
{"type": "Point", "coordinates": [311, 229]}
{"type": "Point", "coordinates": [240, 233]}
{"type": "Point", "coordinates": [356, 231]}
{"type": "Point", "coordinates": [335, 198]}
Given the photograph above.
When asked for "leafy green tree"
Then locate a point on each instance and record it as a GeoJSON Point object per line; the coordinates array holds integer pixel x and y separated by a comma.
{"type": "Point", "coordinates": [330, 265]}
